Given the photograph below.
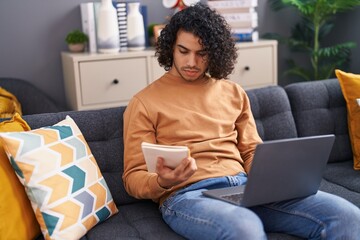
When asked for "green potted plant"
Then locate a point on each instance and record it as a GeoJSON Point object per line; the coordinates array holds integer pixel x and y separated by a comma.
{"type": "Point", "coordinates": [308, 35]}
{"type": "Point", "coordinates": [76, 40]}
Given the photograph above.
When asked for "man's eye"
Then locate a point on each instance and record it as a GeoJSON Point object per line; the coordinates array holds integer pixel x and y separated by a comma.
{"type": "Point", "coordinates": [182, 52]}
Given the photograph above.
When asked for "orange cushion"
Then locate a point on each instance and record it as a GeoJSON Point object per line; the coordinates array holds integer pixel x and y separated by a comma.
{"type": "Point", "coordinates": [9, 105]}
{"type": "Point", "coordinates": [17, 217]}
{"type": "Point", "coordinates": [350, 86]}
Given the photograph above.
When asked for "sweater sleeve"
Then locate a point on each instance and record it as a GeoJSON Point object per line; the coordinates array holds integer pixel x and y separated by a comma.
{"type": "Point", "coordinates": [138, 127]}
{"type": "Point", "coordinates": [248, 136]}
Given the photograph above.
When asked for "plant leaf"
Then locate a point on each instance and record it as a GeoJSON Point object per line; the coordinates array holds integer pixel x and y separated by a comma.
{"type": "Point", "coordinates": [339, 50]}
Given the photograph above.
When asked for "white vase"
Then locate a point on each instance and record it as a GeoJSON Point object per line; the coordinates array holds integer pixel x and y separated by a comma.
{"type": "Point", "coordinates": [107, 28]}
{"type": "Point", "coordinates": [135, 28]}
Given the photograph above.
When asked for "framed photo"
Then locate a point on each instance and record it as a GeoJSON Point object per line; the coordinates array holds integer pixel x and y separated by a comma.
{"type": "Point", "coordinates": [157, 30]}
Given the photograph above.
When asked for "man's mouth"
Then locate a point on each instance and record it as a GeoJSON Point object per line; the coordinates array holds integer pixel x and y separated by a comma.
{"type": "Point", "coordinates": [191, 72]}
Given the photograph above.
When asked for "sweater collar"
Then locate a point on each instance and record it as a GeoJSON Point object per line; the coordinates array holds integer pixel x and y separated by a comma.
{"type": "Point", "coordinates": [169, 78]}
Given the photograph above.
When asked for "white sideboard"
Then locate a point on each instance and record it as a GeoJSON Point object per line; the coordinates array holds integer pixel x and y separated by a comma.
{"type": "Point", "coordinates": [256, 64]}
{"type": "Point", "coordinates": [94, 81]}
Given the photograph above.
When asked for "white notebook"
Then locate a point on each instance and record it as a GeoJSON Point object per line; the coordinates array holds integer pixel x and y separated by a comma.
{"type": "Point", "coordinates": [172, 155]}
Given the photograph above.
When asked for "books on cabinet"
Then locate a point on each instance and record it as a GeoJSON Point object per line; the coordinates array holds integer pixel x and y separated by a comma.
{"type": "Point", "coordinates": [241, 15]}
{"type": "Point", "coordinates": [220, 4]}
{"type": "Point", "coordinates": [88, 24]}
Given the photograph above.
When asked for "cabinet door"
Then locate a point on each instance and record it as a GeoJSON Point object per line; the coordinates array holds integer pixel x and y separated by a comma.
{"type": "Point", "coordinates": [112, 81]}
{"type": "Point", "coordinates": [157, 71]}
{"type": "Point", "coordinates": [254, 67]}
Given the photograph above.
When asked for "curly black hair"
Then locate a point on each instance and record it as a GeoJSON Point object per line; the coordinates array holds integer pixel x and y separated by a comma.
{"type": "Point", "coordinates": [215, 38]}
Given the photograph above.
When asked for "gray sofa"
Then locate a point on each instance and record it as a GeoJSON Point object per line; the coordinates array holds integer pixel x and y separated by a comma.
{"type": "Point", "coordinates": [32, 99]}
{"type": "Point", "coordinates": [300, 109]}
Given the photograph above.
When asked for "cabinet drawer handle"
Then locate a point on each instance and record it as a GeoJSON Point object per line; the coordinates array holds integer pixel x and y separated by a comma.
{"type": "Point", "coordinates": [115, 81]}
{"type": "Point", "coordinates": [247, 68]}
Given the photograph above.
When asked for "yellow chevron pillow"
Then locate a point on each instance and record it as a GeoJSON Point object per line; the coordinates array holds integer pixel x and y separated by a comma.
{"type": "Point", "coordinates": [17, 217]}
{"type": "Point", "coordinates": [350, 86]}
{"type": "Point", "coordinates": [62, 179]}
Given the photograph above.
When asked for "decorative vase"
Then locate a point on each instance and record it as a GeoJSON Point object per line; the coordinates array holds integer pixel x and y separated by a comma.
{"type": "Point", "coordinates": [107, 28]}
{"type": "Point", "coordinates": [135, 28]}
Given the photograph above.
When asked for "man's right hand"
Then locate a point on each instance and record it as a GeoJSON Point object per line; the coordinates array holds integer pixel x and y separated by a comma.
{"type": "Point", "coordinates": [168, 177]}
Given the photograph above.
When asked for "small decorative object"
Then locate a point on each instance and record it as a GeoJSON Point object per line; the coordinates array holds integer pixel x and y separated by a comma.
{"type": "Point", "coordinates": [76, 41]}
{"type": "Point", "coordinates": [178, 5]}
{"type": "Point", "coordinates": [107, 28]}
{"type": "Point", "coordinates": [135, 27]}
{"type": "Point", "coordinates": [121, 9]}
{"type": "Point", "coordinates": [170, 3]}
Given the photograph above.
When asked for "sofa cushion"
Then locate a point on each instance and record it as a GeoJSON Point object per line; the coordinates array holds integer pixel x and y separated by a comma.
{"type": "Point", "coordinates": [62, 180]}
{"type": "Point", "coordinates": [272, 113]}
{"type": "Point", "coordinates": [17, 217]}
{"type": "Point", "coordinates": [343, 175]}
{"type": "Point", "coordinates": [350, 86]}
{"type": "Point", "coordinates": [319, 108]}
{"type": "Point", "coordinates": [141, 220]}
{"type": "Point", "coordinates": [342, 184]}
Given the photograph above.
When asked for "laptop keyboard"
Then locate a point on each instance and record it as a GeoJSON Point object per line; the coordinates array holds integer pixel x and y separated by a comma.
{"type": "Point", "coordinates": [234, 197]}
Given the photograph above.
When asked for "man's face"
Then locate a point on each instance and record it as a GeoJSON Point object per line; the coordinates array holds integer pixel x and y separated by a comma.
{"type": "Point", "coordinates": [190, 59]}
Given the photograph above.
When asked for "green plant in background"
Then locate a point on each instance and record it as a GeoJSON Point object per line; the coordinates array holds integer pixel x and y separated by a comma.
{"type": "Point", "coordinates": [75, 37]}
{"type": "Point", "coordinates": [307, 36]}
{"type": "Point", "coordinates": [151, 36]}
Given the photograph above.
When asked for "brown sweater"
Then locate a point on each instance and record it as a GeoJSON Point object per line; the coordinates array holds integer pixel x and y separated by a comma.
{"type": "Point", "coordinates": [212, 117]}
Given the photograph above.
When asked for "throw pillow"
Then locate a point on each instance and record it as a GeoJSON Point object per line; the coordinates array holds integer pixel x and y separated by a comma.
{"type": "Point", "coordinates": [17, 217]}
{"type": "Point", "coordinates": [9, 105]}
{"type": "Point", "coordinates": [62, 179]}
{"type": "Point", "coordinates": [350, 86]}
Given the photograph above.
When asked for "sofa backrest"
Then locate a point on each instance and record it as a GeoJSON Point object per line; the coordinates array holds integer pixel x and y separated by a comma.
{"type": "Point", "coordinates": [272, 113]}
{"type": "Point", "coordinates": [103, 131]}
{"type": "Point", "coordinates": [319, 108]}
{"type": "Point", "coordinates": [32, 99]}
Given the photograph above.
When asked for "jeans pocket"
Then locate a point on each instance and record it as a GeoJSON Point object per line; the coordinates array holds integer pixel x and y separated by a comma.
{"type": "Point", "coordinates": [168, 202]}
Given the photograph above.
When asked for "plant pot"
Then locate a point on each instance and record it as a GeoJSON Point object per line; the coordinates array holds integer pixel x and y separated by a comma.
{"type": "Point", "coordinates": [76, 47]}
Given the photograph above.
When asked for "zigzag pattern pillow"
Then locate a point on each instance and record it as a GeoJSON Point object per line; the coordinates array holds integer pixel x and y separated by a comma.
{"type": "Point", "coordinates": [61, 177]}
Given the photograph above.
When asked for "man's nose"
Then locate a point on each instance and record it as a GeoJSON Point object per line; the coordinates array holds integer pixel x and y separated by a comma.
{"type": "Point", "coordinates": [191, 60]}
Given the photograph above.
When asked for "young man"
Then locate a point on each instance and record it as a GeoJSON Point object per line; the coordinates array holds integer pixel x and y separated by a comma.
{"type": "Point", "coordinates": [192, 105]}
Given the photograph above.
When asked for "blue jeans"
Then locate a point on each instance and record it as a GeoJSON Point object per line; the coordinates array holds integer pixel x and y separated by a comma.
{"type": "Point", "coordinates": [319, 216]}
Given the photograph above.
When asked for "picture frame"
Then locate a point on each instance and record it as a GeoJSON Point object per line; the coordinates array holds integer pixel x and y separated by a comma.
{"type": "Point", "coordinates": [157, 30]}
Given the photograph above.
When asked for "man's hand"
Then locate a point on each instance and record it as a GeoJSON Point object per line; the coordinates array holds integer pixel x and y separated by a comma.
{"type": "Point", "coordinates": [168, 177]}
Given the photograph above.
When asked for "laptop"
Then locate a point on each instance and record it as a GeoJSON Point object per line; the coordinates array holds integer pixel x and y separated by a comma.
{"type": "Point", "coordinates": [281, 170]}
